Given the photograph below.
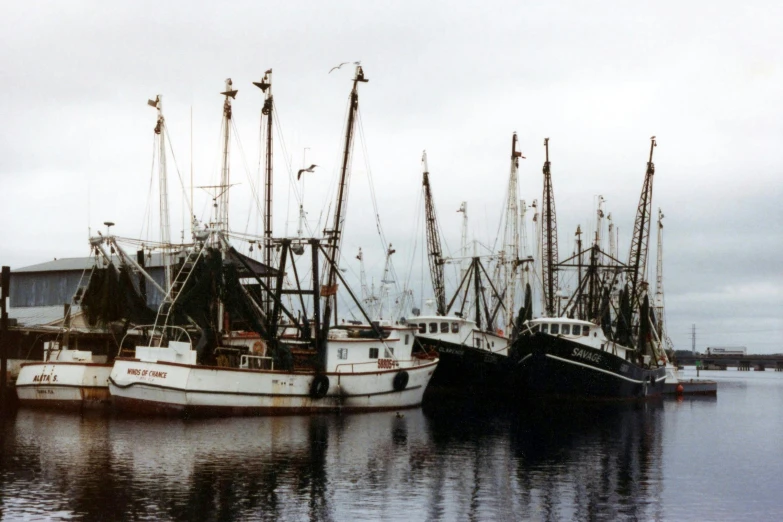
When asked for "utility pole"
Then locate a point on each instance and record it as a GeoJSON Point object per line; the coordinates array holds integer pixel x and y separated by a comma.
{"type": "Point", "coordinates": [693, 339]}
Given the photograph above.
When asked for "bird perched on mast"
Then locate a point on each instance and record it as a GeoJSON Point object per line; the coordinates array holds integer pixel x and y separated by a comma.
{"type": "Point", "coordinates": [311, 168]}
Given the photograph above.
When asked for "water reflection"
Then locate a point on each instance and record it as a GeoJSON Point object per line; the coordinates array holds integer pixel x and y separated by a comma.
{"type": "Point", "coordinates": [451, 461]}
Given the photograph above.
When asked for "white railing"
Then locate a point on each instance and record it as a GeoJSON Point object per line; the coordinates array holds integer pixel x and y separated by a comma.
{"type": "Point", "coordinates": [256, 362]}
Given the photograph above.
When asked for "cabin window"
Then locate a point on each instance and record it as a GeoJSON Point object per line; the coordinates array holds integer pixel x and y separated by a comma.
{"type": "Point", "coordinates": [422, 327]}
{"type": "Point", "coordinates": [534, 328]}
{"type": "Point", "coordinates": [567, 329]}
{"type": "Point", "coordinates": [444, 327]}
{"type": "Point", "coordinates": [545, 328]}
{"type": "Point", "coordinates": [407, 338]}
{"type": "Point", "coordinates": [585, 330]}
{"type": "Point", "coordinates": [478, 343]}
{"type": "Point", "coordinates": [433, 327]}
{"type": "Point", "coordinates": [391, 351]}
{"type": "Point", "coordinates": [493, 344]}
{"type": "Point", "coordinates": [373, 353]}
{"type": "Point", "coordinates": [454, 327]}
{"type": "Point", "coordinates": [555, 329]}
{"type": "Point", "coordinates": [342, 353]}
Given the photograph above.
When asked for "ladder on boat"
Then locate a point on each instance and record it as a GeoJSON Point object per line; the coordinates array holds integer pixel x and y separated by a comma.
{"type": "Point", "coordinates": [177, 286]}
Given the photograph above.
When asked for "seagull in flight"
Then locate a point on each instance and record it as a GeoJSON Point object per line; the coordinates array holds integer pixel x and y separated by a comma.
{"type": "Point", "coordinates": [311, 168]}
{"type": "Point", "coordinates": [338, 66]}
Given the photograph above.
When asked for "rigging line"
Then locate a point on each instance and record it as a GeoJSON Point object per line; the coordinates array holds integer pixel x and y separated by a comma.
{"type": "Point", "coordinates": [382, 235]}
{"type": "Point", "coordinates": [330, 194]}
{"type": "Point", "coordinates": [146, 219]}
{"type": "Point", "coordinates": [179, 175]}
{"type": "Point", "coordinates": [253, 188]}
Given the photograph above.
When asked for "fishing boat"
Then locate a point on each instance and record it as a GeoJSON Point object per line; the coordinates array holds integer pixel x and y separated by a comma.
{"type": "Point", "coordinates": [66, 378]}
{"type": "Point", "coordinates": [588, 348]}
{"type": "Point", "coordinates": [473, 351]}
{"type": "Point", "coordinates": [300, 360]}
{"type": "Point", "coordinates": [107, 299]}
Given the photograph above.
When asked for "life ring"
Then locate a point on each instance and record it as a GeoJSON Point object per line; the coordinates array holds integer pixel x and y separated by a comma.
{"type": "Point", "coordinates": [319, 386]}
{"type": "Point", "coordinates": [400, 380]}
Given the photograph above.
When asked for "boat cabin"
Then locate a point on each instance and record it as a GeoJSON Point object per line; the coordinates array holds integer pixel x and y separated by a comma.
{"type": "Point", "coordinates": [582, 332]}
{"type": "Point", "coordinates": [459, 331]}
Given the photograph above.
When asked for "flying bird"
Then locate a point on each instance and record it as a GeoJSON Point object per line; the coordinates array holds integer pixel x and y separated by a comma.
{"type": "Point", "coordinates": [311, 168]}
{"type": "Point", "coordinates": [338, 66]}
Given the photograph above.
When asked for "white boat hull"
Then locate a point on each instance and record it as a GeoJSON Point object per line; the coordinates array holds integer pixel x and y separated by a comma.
{"type": "Point", "coordinates": [184, 389]}
{"type": "Point", "coordinates": [72, 385]}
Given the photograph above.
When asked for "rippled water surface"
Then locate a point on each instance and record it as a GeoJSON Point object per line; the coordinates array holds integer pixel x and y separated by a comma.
{"type": "Point", "coordinates": [695, 459]}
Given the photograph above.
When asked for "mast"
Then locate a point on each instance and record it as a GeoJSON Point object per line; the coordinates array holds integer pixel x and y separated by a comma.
{"type": "Point", "coordinates": [549, 240]}
{"type": "Point", "coordinates": [434, 254]}
{"type": "Point", "coordinates": [641, 234]}
{"type": "Point", "coordinates": [658, 301]}
{"type": "Point", "coordinates": [222, 195]}
{"type": "Point", "coordinates": [266, 112]}
{"type": "Point", "coordinates": [463, 208]}
{"type": "Point", "coordinates": [165, 226]}
{"type": "Point", "coordinates": [579, 297]}
{"type": "Point", "coordinates": [335, 234]}
{"type": "Point", "coordinates": [511, 239]}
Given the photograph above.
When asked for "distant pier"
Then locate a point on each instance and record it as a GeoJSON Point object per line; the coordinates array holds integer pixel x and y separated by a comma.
{"type": "Point", "coordinates": [748, 362]}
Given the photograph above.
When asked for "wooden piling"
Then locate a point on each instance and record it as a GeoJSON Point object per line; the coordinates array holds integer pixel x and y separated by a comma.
{"type": "Point", "coordinates": [5, 283]}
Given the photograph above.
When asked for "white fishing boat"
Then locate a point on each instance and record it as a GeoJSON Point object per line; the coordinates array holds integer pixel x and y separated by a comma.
{"type": "Point", "coordinates": [66, 378]}
{"type": "Point", "coordinates": [359, 375]}
{"type": "Point", "coordinates": [301, 361]}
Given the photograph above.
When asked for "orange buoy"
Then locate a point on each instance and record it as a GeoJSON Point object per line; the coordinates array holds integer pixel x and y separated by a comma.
{"type": "Point", "coordinates": [680, 389]}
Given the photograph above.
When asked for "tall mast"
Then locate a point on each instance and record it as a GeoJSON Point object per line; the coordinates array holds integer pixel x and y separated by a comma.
{"type": "Point", "coordinates": [549, 240]}
{"type": "Point", "coordinates": [165, 227]}
{"type": "Point", "coordinates": [464, 263]}
{"type": "Point", "coordinates": [335, 234]}
{"type": "Point", "coordinates": [511, 239]}
{"type": "Point", "coordinates": [434, 254]}
{"type": "Point", "coordinates": [222, 194]}
{"type": "Point", "coordinates": [612, 237]}
{"type": "Point", "coordinates": [641, 234]}
{"type": "Point", "coordinates": [523, 239]}
{"type": "Point", "coordinates": [658, 302]}
{"type": "Point", "coordinates": [266, 112]}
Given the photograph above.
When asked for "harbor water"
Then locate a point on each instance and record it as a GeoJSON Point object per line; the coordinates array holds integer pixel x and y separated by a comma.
{"type": "Point", "coordinates": [695, 458]}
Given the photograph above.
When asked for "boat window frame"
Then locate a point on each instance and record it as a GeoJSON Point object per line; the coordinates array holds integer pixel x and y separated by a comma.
{"type": "Point", "coordinates": [455, 327]}
{"type": "Point", "coordinates": [554, 328]}
{"type": "Point", "coordinates": [444, 327]}
{"type": "Point", "coordinates": [544, 327]}
{"type": "Point", "coordinates": [433, 328]}
{"type": "Point", "coordinates": [342, 354]}
{"type": "Point", "coordinates": [374, 351]}
{"type": "Point", "coordinates": [585, 331]}
{"type": "Point", "coordinates": [422, 328]}
{"type": "Point", "coordinates": [565, 329]}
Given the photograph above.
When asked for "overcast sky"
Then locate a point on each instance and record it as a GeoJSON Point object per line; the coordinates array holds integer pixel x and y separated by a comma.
{"type": "Point", "coordinates": [453, 78]}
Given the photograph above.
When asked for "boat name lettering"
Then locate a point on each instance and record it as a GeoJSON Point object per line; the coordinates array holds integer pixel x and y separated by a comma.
{"type": "Point", "coordinates": [44, 392]}
{"type": "Point", "coordinates": [146, 373]}
{"type": "Point", "coordinates": [44, 378]}
{"type": "Point", "coordinates": [584, 354]}
{"type": "Point", "coordinates": [453, 351]}
{"type": "Point", "coordinates": [387, 363]}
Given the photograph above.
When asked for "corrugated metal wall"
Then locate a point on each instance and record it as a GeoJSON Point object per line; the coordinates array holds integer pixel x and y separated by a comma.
{"type": "Point", "coordinates": [58, 287]}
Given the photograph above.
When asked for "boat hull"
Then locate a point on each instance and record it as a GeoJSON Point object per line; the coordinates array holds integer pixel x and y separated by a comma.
{"type": "Point", "coordinates": [166, 388]}
{"type": "Point", "coordinates": [464, 369]}
{"type": "Point", "coordinates": [555, 366]}
{"type": "Point", "coordinates": [64, 385]}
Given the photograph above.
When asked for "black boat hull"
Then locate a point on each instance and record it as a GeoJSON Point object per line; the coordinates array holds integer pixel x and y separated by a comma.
{"type": "Point", "coordinates": [467, 370]}
{"type": "Point", "coordinates": [556, 366]}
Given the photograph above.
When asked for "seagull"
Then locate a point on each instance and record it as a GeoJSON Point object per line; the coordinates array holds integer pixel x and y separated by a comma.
{"type": "Point", "coordinates": [338, 66]}
{"type": "Point", "coordinates": [308, 169]}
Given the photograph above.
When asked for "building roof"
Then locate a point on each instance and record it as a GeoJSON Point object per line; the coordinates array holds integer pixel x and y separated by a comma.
{"type": "Point", "coordinates": [79, 263]}
{"type": "Point", "coordinates": [67, 264]}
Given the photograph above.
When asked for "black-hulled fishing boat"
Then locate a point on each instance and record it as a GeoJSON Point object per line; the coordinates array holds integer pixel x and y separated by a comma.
{"type": "Point", "coordinates": [602, 343]}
